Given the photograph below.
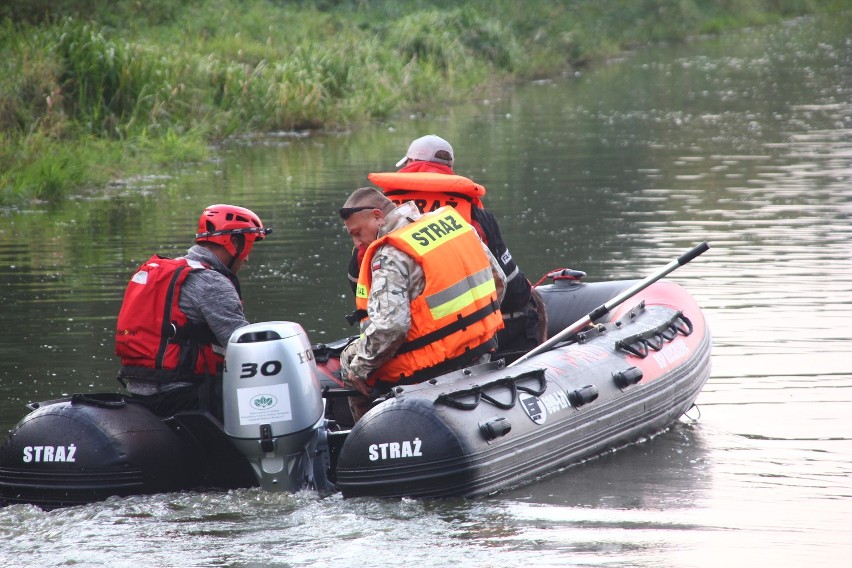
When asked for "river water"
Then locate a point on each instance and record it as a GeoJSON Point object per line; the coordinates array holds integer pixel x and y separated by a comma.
{"type": "Point", "coordinates": [744, 141]}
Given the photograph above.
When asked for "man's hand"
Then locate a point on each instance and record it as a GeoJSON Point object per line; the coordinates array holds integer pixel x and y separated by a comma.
{"type": "Point", "coordinates": [358, 384]}
{"type": "Point", "coordinates": [348, 375]}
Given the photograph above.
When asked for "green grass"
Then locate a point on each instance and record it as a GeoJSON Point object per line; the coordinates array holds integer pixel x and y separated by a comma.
{"type": "Point", "coordinates": [92, 90]}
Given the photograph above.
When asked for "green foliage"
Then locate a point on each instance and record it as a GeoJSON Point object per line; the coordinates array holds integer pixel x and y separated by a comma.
{"type": "Point", "coordinates": [93, 89]}
{"type": "Point", "coordinates": [107, 84]}
{"type": "Point", "coordinates": [454, 39]}
{"type": "Point", "coordinates": [110, 12]}
{"type": "Point", "coordinates": [48, 169]}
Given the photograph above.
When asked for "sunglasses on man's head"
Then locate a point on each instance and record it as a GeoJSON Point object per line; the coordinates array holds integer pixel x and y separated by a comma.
{"type": "Point", "coordinates": [346, 212]}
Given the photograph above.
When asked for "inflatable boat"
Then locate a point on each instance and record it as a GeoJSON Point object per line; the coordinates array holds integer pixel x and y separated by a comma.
{"type": "Point", "coordinates": [625, 360]}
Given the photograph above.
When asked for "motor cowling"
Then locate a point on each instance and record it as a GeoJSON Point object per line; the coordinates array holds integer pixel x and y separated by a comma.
{"type": "Point", "coordinates": [273, 407]}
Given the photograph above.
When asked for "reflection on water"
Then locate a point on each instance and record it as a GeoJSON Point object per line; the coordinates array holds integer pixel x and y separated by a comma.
{"type": "Point", "coordinates": [671, 471]}
{"type": "Point", "coordinates": [745, 142]}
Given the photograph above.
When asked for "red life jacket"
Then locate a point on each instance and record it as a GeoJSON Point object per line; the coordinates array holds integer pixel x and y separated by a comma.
{"type": "Point", "coordinates": [154, 338]}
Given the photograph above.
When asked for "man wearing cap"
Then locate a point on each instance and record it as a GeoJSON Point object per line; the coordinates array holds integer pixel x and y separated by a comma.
{"type": "Point", "coordinates": [427, 179]}
{"type": "Point", "coordinates": [427, 296]}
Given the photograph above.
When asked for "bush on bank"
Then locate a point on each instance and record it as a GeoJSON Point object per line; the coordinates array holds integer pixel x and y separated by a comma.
{"type": "Point", "coordinates": [91, 90]}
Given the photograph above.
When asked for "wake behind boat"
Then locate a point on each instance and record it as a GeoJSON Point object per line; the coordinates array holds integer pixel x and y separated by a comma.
{"type": "Point", "coordinates": [628, 372]}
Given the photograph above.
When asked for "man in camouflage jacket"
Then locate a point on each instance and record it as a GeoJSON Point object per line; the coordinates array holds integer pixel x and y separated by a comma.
{"type": "Point", "coordinates": [397, 279]}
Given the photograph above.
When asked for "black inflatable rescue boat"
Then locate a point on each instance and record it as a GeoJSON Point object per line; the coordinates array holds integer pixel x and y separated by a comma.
{"type": "Point", "coordinates": [286, 424]}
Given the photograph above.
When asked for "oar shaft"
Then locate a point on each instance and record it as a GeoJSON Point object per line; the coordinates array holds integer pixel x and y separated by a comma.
{"type": "Point", "coordinates": [606, 307]}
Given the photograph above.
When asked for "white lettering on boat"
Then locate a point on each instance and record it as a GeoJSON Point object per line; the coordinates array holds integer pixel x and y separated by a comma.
{"type": "Point", "coordinates": [50, 453]}
{"type": "Point", "coordinates": [673, 352]}
{"type": "Point", "coordinates": [395, 450]}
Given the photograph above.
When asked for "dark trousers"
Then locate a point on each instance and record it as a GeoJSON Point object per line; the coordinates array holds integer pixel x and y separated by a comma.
{"type": "Point", "coordinates": [193, 397]}
{"type": "Point", "coordinates": [525, 329]}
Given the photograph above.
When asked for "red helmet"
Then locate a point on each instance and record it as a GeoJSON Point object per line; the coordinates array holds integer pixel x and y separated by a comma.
{"type": "Point", "coordinates": [219, 222]}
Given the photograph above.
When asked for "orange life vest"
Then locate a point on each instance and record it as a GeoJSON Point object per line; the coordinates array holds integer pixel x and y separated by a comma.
{"type": "Point", "coordinates": [431, 190]}
{"type": "Point", "coordinates": [458, 310]}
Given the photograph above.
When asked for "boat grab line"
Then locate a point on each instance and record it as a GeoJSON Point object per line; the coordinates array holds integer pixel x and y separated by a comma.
{"type": "Point", "coordinates": [478, 392]}
{"type": "Point", "coordinates": [653, 339]}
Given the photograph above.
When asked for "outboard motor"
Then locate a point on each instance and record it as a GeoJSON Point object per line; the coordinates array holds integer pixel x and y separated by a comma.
{"type": "Point", "coordinates": [273, 406]}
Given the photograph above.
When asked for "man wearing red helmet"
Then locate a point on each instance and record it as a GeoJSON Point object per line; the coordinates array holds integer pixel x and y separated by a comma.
{"type": "Point", "coordinates": [178, 315]}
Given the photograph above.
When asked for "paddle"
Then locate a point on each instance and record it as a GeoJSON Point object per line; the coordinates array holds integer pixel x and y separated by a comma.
{"type": "Point", "coordinates": [605, 308]}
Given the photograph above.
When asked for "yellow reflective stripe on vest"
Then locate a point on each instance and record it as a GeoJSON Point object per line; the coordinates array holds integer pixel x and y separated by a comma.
{"type": "Point", "coordinates": [428, 236]}
{"type": "Point", "coordinates": [461, 294]}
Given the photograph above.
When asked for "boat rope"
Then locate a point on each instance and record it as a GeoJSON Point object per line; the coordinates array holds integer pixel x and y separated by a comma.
{"type": "Point", "coordinates": [478, 393]}
{"type": "Point", "coordinates": [653, 339]}
{"type": "Point", "coordinates": [697, 409]}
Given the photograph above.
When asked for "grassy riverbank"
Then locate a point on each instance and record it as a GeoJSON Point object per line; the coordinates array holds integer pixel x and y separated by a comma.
{"type": "Point", "coordinates": [93, 90]}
